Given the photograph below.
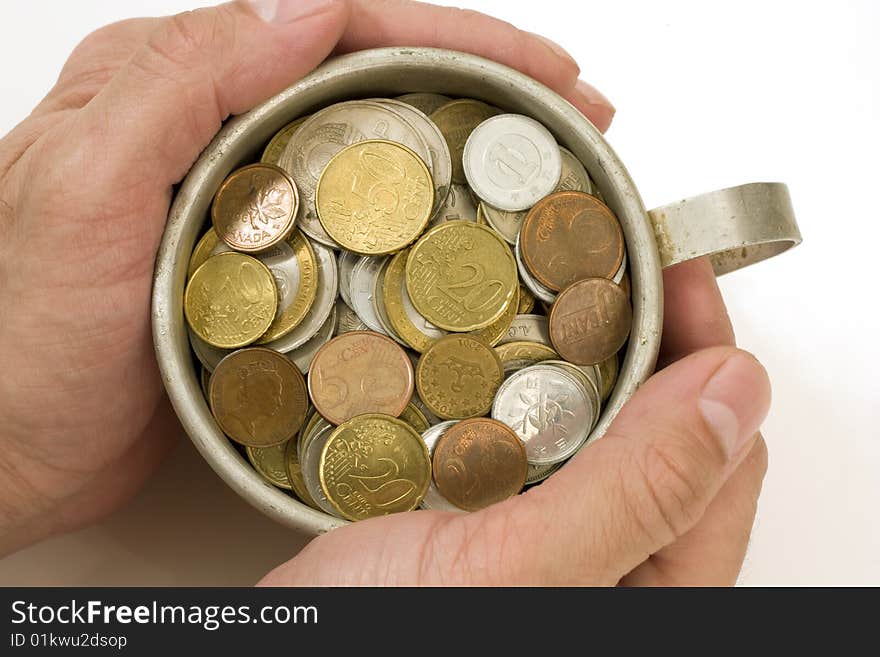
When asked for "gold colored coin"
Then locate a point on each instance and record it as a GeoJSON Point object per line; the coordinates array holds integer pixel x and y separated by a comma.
{"type": "Point", "coordinates": [255, 208]}
{"type": "Point", "coordinates": [406, 321]}
{"type": "Point", "coordinates": [495, 332]}
{"type": "Point", "coordinates": [461, 276]}
{"type": "Point", "coordinates": [375, 197]}
{"type": "Point", "coordinates": [517, 355]}
{"type": "Point", "coordinates": [294, 305]}
{"type": "Point", "coordinates": [270, 463]}
{"type": "Point", "coordinates": [258, 397]}
{"type": "Point", "coordinates": [526, 301]}
{"type": "Point", "coordinates": [457, 121]}
{"type": "Point", "coordinates": [373, 465]}
{"type": "Point", "coordinates": [276, 145]}
{"type": "Point", "coordinates": [415, 418]}
{"type": "Point", "coordinates": [458, 377]}
{"type": "Point", "coordinates": [294, 471]}
{"type": "Point", "coordinates": [230, 300]}
{"type": "Point", "coordinates": [204, 250]}
{"type": "Point", "coordinates": [608, 371]}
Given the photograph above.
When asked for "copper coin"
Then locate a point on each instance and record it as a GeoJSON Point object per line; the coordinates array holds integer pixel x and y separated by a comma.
{"type": "Point", "coordinates": [258, 397]}
{"type": "Point", "coordinates": [479, 462]}
{"type": "Point", "coordinates": [255, 208]}
{"type": "Point", "coordinates": [590, 321]}
{"type": "Point", "coordinates": [360, 372]}
{"type": "Point", "coordinates": [568, 236]}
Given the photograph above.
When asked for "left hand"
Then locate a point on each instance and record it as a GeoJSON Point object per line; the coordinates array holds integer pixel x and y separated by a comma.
{"type": "Point", "coordinates": [85, 186]}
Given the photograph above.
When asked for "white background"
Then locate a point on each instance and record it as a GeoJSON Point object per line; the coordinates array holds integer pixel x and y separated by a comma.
{"type": "Point", "coordinates": [708, 95]}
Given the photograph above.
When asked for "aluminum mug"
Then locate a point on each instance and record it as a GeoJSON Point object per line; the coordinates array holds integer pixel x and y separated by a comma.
{"type": "Point", "coordinates": [735, 227]}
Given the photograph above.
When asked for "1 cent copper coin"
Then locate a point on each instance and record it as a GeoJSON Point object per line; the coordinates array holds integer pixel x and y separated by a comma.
{"type": "Point", "coordinates": [479, 462]}
{"type": "Point", "coordinates": [360, 372]}
{"type": "Point", "coordinates": [590, 321]}
{"type": "Point", "coordinates": [258, 397]}
{"type": "Point", "coordinates": [568, 236]}
{"type": "Point", "coordinates": [255, 208]}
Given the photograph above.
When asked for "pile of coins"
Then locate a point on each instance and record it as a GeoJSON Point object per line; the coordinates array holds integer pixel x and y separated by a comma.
{"type": "Point", "coordinates": [411, 302]}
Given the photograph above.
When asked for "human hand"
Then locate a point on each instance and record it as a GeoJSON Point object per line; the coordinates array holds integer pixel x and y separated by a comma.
{"type": "Point", "coordinates": [85, 186]}
{"type": "Point", "coordinates": [666, 497]}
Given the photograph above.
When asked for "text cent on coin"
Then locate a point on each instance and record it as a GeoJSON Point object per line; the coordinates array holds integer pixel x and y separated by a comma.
{"type": "Point", "coordinates": [258, 397]}
{"type": "Point", "coordinates": [255, 208]}
{"type": "Point", "coordinates": [479, 462]}
{"type": "Point", "coordinates": [360, 372]}
{"type": "Point", "coordinates": [590, 321]}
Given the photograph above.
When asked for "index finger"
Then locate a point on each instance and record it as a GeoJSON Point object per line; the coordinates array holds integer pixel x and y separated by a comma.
{"type": "Point", "coordinates": [377, 23]}
{"type": "Point", "coordinates": [694, 315]}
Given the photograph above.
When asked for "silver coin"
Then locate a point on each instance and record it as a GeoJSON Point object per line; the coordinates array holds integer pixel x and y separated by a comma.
{"type": "Point", "coordinates": [574, 178]}
{"type": "Point", "coordinates": [303, 443]}
{"type": "Point", "coordinates": [438, 150]}
{"type": "Point", "coordinates": [207, 354]}
{"type": "Point", "coordinates": [325, 299]}
{"type": "Point", "coordinates": [347, 261]}
{"type": "Point", "coordinates": [538, 289]}
{"type": "Point", "coordinates": [303, 355]}
{"type": "Point", "coordinates": [538, 473]}
{"type": "Point", "coordinates": [347, 319]}
{"type": "Point", "coordinates": [311, 466]}
{"type": "Point", "coordinates": [511, 162]}
{"type": "Point", "coordinates": [620, 270]}
{"type": "Point", "coordinates": [528, 328]}
{"type": "Point", "coordinates": [381, 310]}
{"type": "Point", "coordinates": [363, 288]}
{"type": "Point", "coordinates": [459, 206]}
{"type": "Point", "coordinates": [548, 408]}
{"type": "Point", "coordinates": [282, 263]}
{"type": "Point", "coordinates": [586, 380]}
{"type": "Point", "coordinates": [434, 498]}
{"type": "Point", "coordinates": [326, 133]}
{"type": "Point", "coordinates": [425, 102]}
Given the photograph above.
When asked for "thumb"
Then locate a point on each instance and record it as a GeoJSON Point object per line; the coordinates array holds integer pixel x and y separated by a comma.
{"type": "Point", "coordinates": [650, 479]}
{"type": "Point", "coordinates": [164, 106]}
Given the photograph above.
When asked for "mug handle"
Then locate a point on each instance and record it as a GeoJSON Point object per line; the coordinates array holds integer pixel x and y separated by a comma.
{"type": "Point", "coordinates": [735, 227]}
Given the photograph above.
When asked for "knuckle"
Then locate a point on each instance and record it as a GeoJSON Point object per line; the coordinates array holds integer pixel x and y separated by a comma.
{"type": "Point", "coordinates": [671, 489]}
{"type": "Point", "coordinates": [193, 38]}
{"type": "Point", "coordinates": [486, 548]}
{"type": "Point", "coordinates": [99, 38]}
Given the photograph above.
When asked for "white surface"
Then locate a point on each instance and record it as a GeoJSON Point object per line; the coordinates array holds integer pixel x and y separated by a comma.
{"type": "Point", "coordinates": [708, 96]}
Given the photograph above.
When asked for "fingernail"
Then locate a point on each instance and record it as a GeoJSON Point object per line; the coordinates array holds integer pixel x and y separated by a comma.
{"type": "Point", "coordinates": [558, 50]}
{"type": "Point", "coordinates": [735, 401]}
{"type": "Point", "coordinates": [285, 11]}
{"type": "Point", "coordinates": [600, 110]}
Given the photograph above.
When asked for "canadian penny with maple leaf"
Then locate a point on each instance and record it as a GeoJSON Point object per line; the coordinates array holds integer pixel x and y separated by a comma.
{"type": "Point", "coordinates": [255, 208]}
